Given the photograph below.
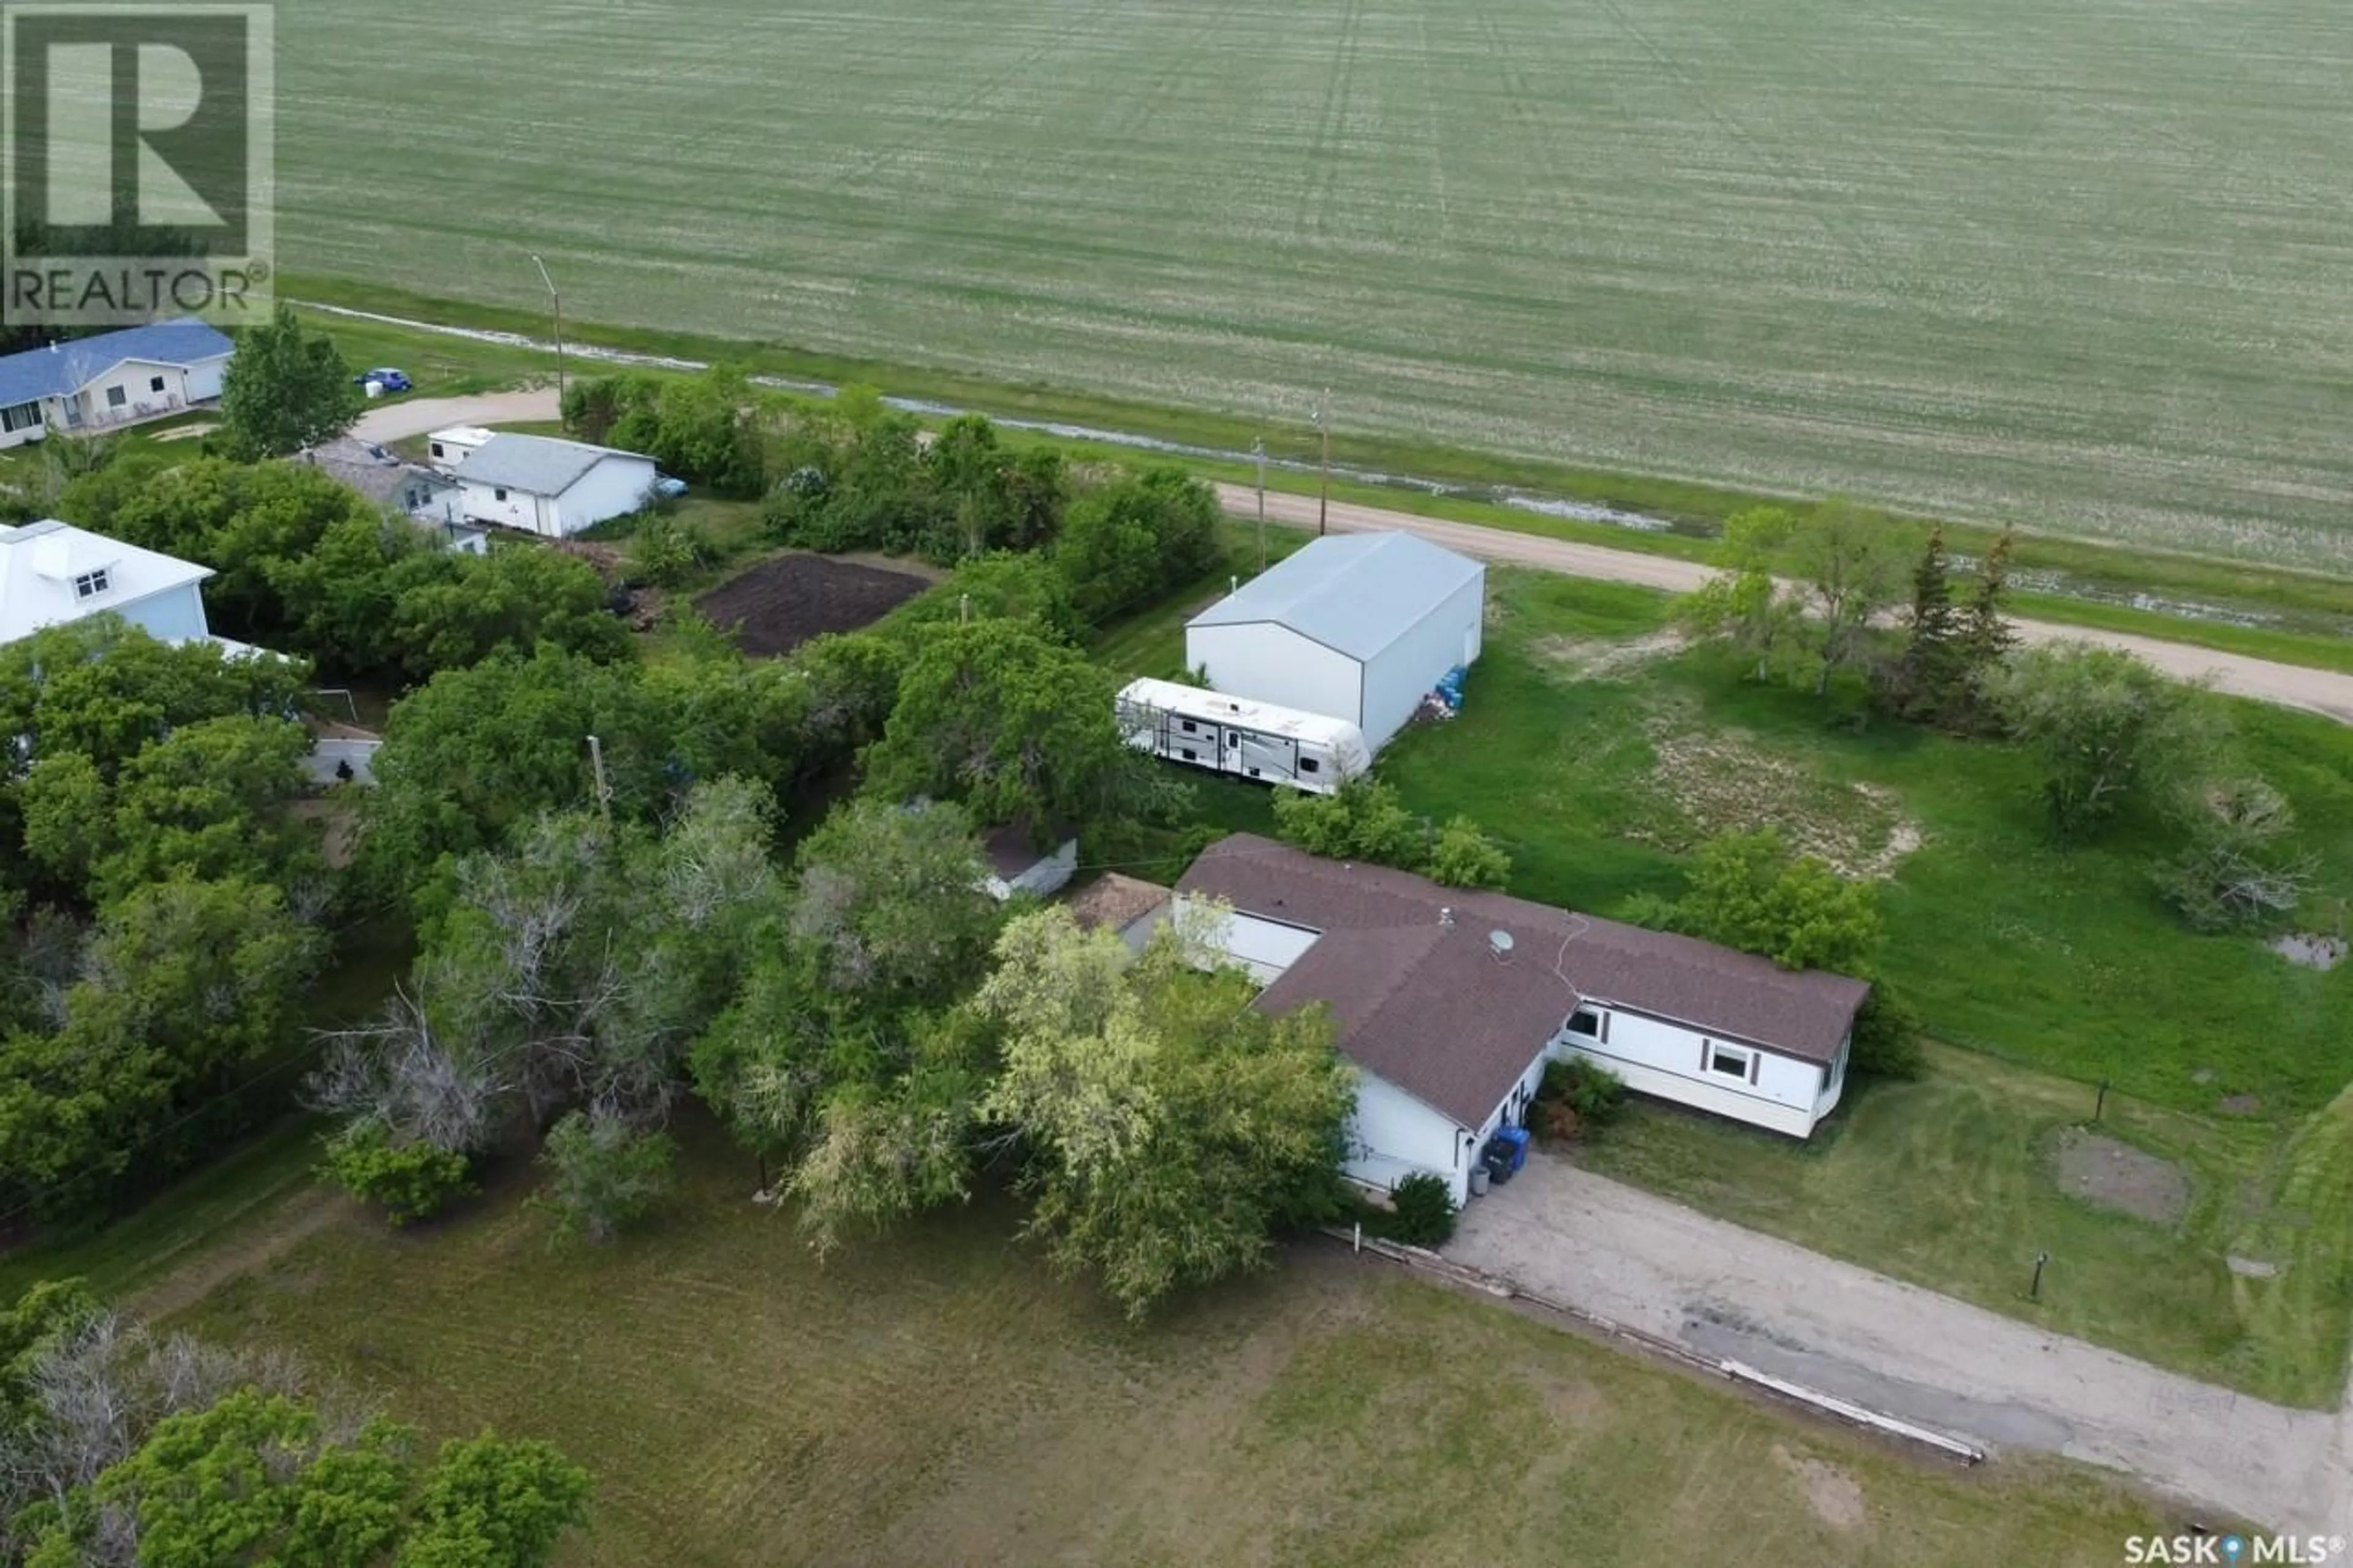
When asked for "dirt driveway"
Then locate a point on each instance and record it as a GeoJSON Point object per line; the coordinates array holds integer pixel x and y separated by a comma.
{"type": "Point", "coordinates": [1731, 1293]}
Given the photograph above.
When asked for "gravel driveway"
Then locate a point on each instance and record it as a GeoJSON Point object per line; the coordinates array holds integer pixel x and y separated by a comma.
{"type": "Point", "coordinates": [1728, 1292]}
{"type": "Point", "coordinates": [422, 415]}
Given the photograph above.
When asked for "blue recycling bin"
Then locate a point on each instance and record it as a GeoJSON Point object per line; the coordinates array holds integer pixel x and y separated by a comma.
{"type": "Point", "coordinates": [1516, 1140]}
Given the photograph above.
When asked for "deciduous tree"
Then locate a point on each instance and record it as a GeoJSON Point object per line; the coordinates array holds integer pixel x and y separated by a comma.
{"type": "Point", "coordinates": [1745, 604]}
{"type": "Point", "coordinates": [1852, 566]}
{"type": "Point", "coordinates": [604, 1172]}
{"type": "Point", "coordinates": [995, 716]}
{"type": "Point", "coordinates": [1171, 1128]}
{"type": "Point", "coordinates": [1749, 892]}
{"type": "Point", "coordinates": [2105, 729]}
{"type": "Point", "coordinates": [286, 388]}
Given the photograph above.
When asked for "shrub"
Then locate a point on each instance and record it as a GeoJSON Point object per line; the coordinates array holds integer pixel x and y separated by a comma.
{"type": "Point", "coordinates": [1462, 856]}
{"type": "Point", "coordinates": [603, 1173]}
{"type": "Point", "coordinates": [1422, 1211]}
{"type": "Point", "coordinates": [1887, 1037]}
{"type": "Point", "coordinates": [1362, 820]}
{"type": "Point", "coordinates": [1590, 1092]}
{"type": "Point", "coordinates": [666, 553]}
{"type": "Point", "coordinates": [408, 1181]}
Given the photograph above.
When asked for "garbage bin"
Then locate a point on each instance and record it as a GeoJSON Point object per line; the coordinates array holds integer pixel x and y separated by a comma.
{"type": "Point", "coordinates": [1478, 1181]}
{"type": "Point", "coordinates": [1496, 1161]}
{"type": "Point", "coordinates": [1516, 1140]}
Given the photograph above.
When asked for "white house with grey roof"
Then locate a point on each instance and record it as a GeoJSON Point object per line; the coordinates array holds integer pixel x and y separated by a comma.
{"type": "Point", "coordinates": [550, 486]}
{"type": "Point", "coordinates": [1356, 627]}
{"type": "Point", "coordinates": [112, 380]}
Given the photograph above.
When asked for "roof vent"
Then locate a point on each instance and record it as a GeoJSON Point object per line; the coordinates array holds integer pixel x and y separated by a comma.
{"type": "Point", "coordinates": [1499, 945]}
{"type": "Point", "coordinates": [1446, 920]}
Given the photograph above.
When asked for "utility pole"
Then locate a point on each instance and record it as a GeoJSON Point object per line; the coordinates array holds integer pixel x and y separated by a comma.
{"type": "Point", "coordinates": [557, 301]}
{"type": "Point", "coordinates": [1324, 488]}
{"type": "Point", "coordinates": [604, 790]}
{"type": "Point", "coordinates": [1259, 448]}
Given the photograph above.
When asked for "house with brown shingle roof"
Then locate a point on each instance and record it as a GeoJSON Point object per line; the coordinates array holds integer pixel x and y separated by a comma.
{"type": "Point", "coordinates": [1451, 1002]}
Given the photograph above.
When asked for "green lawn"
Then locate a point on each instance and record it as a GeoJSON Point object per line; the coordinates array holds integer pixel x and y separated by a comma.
{"type": "Point", "coordinates": [938, 1397]}
{"type": "Point", "coordinates": [1598, 777]}
{"type": "Point", "coordinates": [1948, 1182]}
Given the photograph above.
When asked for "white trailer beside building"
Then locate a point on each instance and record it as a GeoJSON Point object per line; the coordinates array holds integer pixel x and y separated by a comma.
{"type": "Point", "coordinates": [1249, 740]}
{"type": "Point", "coordinates": [1356, 627]}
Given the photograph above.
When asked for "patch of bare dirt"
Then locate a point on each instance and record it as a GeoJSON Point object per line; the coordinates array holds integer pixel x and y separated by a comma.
{"type": "Point", "coordinates": [781, 604]}
{"type": "Point", "coordinates": [2311, 951]}
{"type": "Point", "coordinates": [1605, 658]}
{"type": "Point", "coordinates": [1722, 781]}
{"type": "Point", "coordinates": [2115, 1175]}
{"type": "Point", "coordinates": [1835, 1496]}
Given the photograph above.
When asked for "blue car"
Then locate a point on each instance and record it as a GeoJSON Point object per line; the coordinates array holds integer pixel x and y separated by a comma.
{"type": "Point", "coordinates": [390, 380]}
{"type": "Point", "coordinates": [668, 487]}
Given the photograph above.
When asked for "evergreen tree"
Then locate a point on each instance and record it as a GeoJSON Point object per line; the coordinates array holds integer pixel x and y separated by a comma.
{"type": "Point", "coordinates": [1933, 674]}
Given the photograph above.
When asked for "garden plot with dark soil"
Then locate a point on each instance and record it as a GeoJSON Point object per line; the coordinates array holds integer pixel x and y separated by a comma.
{"type": "Point", "coordinates": [781, 604]}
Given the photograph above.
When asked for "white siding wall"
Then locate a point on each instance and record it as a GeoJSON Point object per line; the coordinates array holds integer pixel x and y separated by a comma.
{"type": "Point", "coordinates": [22, 435]}
{"type": "Point", "coordinates": [1665, 1060]}
{"type": "Point", "coordinates": [614, 487]}
{"type": "Point", "coordinates": [1409, 668]}
{"type": "Point", "coordinates": [1268, 663]}
{"type": "Point", "coordinates": [444, 451]}
{"type": "Point", "coordinates": [1265, 948]}
{"type": "Point", "coordinates": [176, 614]}
{"type": "Point", "coordinates": [205, 378]}
{"type": "Point", "coordinates": [518, 508]}
{"type": "Point", "coordinates": [1392, 1135]}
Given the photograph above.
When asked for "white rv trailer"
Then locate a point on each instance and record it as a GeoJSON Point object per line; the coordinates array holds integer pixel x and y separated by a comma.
{"type": "Point", "coordinates": [1234, 735]}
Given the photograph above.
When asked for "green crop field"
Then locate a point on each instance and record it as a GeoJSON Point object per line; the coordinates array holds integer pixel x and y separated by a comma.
{"type": "Point", "coordinates": [2083, 267]}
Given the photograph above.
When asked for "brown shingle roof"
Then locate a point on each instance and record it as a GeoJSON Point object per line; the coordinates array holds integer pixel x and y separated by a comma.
{"type": "Point", "coordinates": [1113, 901]}
{"type": "Point", "coordinates": [1435, 1012]}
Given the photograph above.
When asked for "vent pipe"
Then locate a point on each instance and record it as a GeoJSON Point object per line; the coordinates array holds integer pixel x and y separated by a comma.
{"type": "Point", "coordinates": [1499, 945]}
{"type": "Point", "coordinates": [1446, 920]}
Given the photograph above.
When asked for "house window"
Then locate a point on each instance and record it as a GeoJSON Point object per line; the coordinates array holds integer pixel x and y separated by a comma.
{"type": "Point", "coordinates": [1731, 1062]}
{"type": "Point", "coordinates": [1592, 1024]}
{"type": "Point", "coordinates": [1189, 754]}
{"type": "Point", "coordinates": [1310, 765]}
{"type": "Point", "coordinates": [500, 494]}
{"type": "Point", "coordinates": [154, 384]}
{"type": "Point", "coordinates": [116, 398]}
{"type": "Point", "coordinates": [90, 585]}
{"type": "Point", "coordinates": [23, 416]}
{"type": "Point", "coordinates": [1187, 726]}
{"type": "Point", "coordinates": [436, 450]}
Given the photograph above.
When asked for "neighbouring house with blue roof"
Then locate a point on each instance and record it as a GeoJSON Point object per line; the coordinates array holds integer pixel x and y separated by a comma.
{"type": "Point", "coordinates": [113, 380]}
{"type": "Point", "coordinates": [1357, 627]}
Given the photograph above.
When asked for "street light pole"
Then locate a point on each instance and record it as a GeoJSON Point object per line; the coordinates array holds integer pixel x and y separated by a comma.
{"type": "Point", "coordinates": [1259, 448]}
{"type": "Point", "coordinates": [557, 301]}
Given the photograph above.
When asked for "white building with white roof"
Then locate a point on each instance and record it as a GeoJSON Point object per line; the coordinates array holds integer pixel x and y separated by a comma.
{"type": "Point", "coordinates": [1356, 626]}
{"type": "Point", "coordinates": [52, 572]}
{"type": "Point", "coordinates": [550, 487]}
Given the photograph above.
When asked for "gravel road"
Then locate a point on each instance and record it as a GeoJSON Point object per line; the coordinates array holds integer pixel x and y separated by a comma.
{"type": "Point", "coordinates": [1731, 1293]}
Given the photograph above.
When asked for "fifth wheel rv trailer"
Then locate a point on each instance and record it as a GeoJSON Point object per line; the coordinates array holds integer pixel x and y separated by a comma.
{"type": "Point", "coordinates": [1230, 735]}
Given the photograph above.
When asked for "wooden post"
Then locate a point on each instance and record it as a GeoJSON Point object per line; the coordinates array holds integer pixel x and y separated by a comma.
{"type": "Point", "coordinates": [1259, 447]}
{"type": "Point", "coordinates": [2100, 1104]}
{"type": "Point", "coordinates": [1324, 487]}
{"type": "Point", "coordinates": [2034, 1291]}
{"type": "Point", "coordinates": [556, 302]}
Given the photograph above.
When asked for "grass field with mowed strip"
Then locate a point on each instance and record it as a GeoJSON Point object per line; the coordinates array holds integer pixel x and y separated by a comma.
{"type": "Point", "coordinates": [2086, 266]}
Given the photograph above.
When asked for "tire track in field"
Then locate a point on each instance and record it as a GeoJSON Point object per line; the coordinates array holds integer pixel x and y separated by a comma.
{"type": "Point", "coordinates": [1773, 163]}
{"type": "Point", "coordinates": [1339, 90]}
